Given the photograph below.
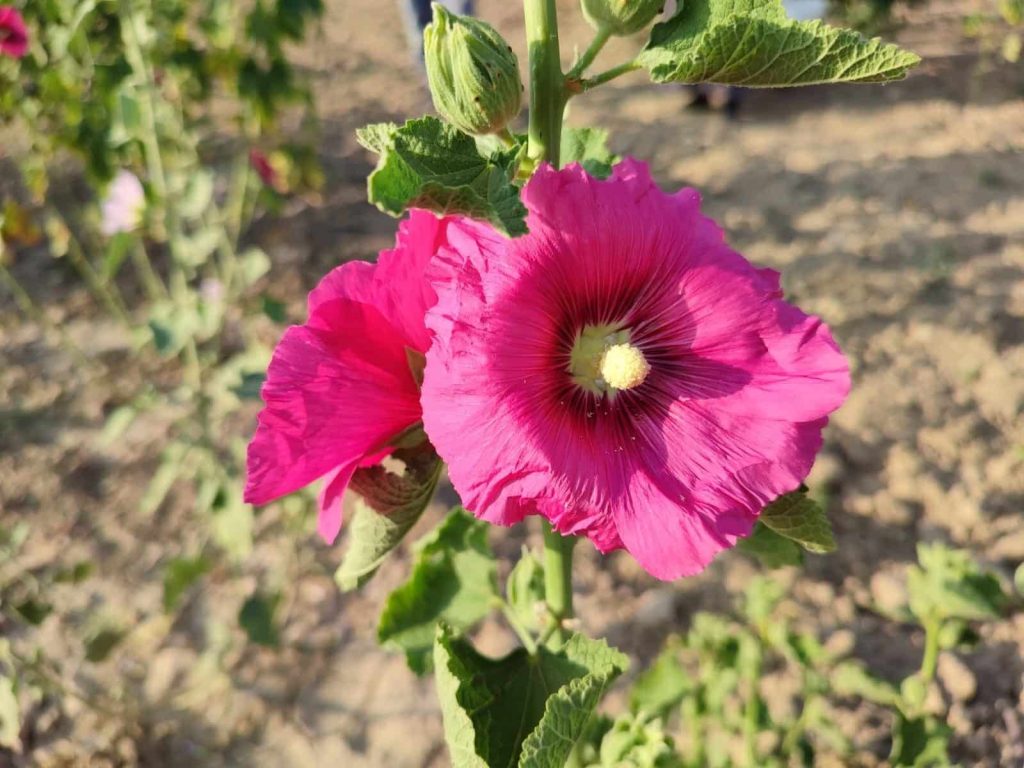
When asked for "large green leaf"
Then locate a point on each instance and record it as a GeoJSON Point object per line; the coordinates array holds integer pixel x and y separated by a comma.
{"type": "Point", "coordinates": [948, 584]}
{"type": "Point", "coordinates": [427, 163]}
{"type": "Point", "coordinates": [752, 43]}
{"type": "Point", "coordinates": [526, 710]}
{"type": "Point", "coordinates": [390, 506]}
{"type": "Point", "coordinates": [773, 550]}
{"type": "Point", "coordinates": [801, 519]}
{"type": "Point", "coordinates": [454, 580]}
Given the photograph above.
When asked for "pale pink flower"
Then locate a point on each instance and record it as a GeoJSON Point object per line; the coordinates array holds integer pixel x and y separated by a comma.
{"type": "Point", "coordinates": [622, 372]}
{"type": "Point", "coordinates": [13, 34]}
{"type": "Point", "coordinates": [123, 205]}
{"type": "Point", "coordinates": [343, 387]}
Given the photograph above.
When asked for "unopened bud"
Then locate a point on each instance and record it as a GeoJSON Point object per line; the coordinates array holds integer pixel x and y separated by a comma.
{"type": "Point", "coordinates": [621, 17]}
{"type": "Point", "coordinates": [473, 73]}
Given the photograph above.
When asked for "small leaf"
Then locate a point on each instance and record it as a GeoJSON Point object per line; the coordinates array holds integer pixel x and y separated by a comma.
{"type": "Point", "coordinates": [948, 584]}
{"type": "Point", "coordinates": [253, 264]}
{"type": "Point", "coordinates": [257, 619]}
{"type": "Point", "coordinates": [454, 580]}
{"type": "Point", "coordinates": [390, 507]}
{"type": "Point", "coordinates": [100, 644]}
{"type": "Point", "coordinates": [524, 590]}
{"type": "Point", "coordinates": [249, 387]}
{"type": "Point", "coordinates": [76, 574]}
{"type": "Point", "coordinates": [773, 550]}
{"type": "Point", "coordinates": [752, 43]}
{"type": "Point", "coordinates": [527, 708]}
{"type": "Point", "coordinates": [180, 574]}
{"type": "Point", "coordinates": [427, 163]}
{"type": "Point", "coordinates": [800, 518]}
{"type": "Point", "coordinates": [33, 611]}
{"type": "Point", "coordinates": [589, 148]}
{"type": "Point", "coordinates": [850, 678]}
{"type": "Point", "coordinates": [274, 309]}
{"type": "Point", "coordinates": [920, 742]}
{"type": "Point", "coordinates": [664, 684]}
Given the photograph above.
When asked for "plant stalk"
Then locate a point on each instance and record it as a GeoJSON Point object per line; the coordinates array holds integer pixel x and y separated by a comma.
{"type": "Point", "coordinates": [547, 84]}
{"type": "Point", "coordinates": [929, 662]}
{"type": "Point", "coordinates": [558, 579]}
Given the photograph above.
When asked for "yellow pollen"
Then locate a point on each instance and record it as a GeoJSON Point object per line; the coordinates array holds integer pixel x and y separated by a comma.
{"type": "Point", "coordinates": [623, 366]}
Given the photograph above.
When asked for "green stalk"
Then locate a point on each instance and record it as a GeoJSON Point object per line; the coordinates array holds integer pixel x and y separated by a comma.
{"type": "Point", "coordinates": [547, 85]}
{"type": "Point", "coordinates": [582, 86]}
{"type": "Point", "coordinates": [588, 56]}
{"type": "Point", "coordinates": [558, 579]}
{"type": "Point", "coordinates": [929, 662]}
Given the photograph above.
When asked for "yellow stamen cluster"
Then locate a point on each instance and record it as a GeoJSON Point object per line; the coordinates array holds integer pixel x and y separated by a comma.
{"type": "Point", "coordinates": [603, 360]}
{"type": "Point", "coordinates": [623, 366]}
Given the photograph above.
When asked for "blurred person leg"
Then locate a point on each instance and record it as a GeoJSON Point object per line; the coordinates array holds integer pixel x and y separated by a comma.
{"type": "Point", "coordinates": [417, 15]}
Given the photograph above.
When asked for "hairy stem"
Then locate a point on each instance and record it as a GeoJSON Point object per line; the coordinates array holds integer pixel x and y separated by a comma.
{"type": "Point", "coordinates": [558, 579]}
{"type": "Point", "coordinates": [588, 56]}
{"type": "Point", "coordinates": [547, 91]}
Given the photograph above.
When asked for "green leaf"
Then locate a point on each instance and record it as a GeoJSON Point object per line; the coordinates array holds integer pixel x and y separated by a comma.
{"type": "Point", "coordinates": [527, 708]}
{"type": "Point", "coordinates": [851, 678]}
{"type": "Point", "coordinates": [773, 550]}
{"type": "Point", "coordinates": [589, 148]}
{"type": "Point", "coordinates": [524, 590]}
{"type": "Point", "coordinates": [427, 163]}
{"type": "Point", "coordinates": [250, 385]}
{"type": "Point", "coordinates": [198, 195]}
{"type": "Point", "coordinates": [920, 742]}
{"type": "Point", "coordinates": [33, 611]}
{"type": "Point", "coordinates": [798, 517]}
{"type": "Point", "coordinates": [390, 506]}
{"type": "Point", "coordinates": [752, 43]}
{"type": "Point", "coordinates": [256, 617]}
{"type": "Point", "coordinates": [948, 584]}
{"type": "Point", "coordinates": [180, 574]}
{"type": "Point", "coordinates": [232, 522]}
{"type": "Point", "coordinates": [664, 684]}
{"type": "Point", "coordinates": [454, 580]}
{"type": "Point", "coordinates": [99, 644]}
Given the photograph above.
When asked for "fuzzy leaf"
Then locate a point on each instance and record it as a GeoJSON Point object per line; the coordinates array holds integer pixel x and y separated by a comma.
{"type": "Point", "coordinates": [948, 584]}
{"type": "Point", "coordinates": [427, 163]}
{"type": "Point", "coordinates": [589, 148]}
{"type": "Point", "coordinates": [801, 519]}
{"type": "Point", "coordinates": [389, 508]}
{"type": "Point", "coordinates": [752, 43]}
{"type": "Point", "coordinates": [525, 590]}
{"type": "Point", "coordinates": [773, 550]}
{"type": "Point", "coordinates": [454, 581]}
{"type": "Point", "coordinates": [527, 708]}
{"type": "Point", "coordinates": [852, 679]}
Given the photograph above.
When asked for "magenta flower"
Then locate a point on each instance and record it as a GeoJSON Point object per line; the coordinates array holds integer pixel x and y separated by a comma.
{"type": "Point", "coordinates": [260, 163]}
{"type": "Point", "coordinates": [341, 388]}
{"type": "Point", "coordinates": [13, 34]}
{"type": "Point", "coordinates": [622, 372]}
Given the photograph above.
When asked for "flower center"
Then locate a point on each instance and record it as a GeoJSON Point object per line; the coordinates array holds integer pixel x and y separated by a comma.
{"type": "Point", "coordinates": [603, 361]}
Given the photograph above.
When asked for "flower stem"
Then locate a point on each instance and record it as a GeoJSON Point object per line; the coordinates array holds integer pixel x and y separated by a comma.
{"type": "Point", "coordinates": [929, 662]}
{"type": "Point", "coordinates": [558, 578]}
{"type": "Point", "coordinates": [582, 86]}
{"type": "Point", "coordinates": [588, 56]}
{"type": "Point", "coordinates": [547, 93]}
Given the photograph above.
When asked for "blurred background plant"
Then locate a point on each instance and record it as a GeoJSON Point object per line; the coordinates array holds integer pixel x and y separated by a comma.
{"type": "Point", "coordinates": [153, 134]}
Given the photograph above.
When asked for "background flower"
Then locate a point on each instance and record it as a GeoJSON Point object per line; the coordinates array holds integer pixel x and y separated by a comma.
{"type": "Point", "coordinates": [343, 387]}
{"type": "Point", "coordinates": [622, 372]}
{"type": "Point", "coordinates": [13, 34]}
{"type": "Point", "coordinates": [122, 207]}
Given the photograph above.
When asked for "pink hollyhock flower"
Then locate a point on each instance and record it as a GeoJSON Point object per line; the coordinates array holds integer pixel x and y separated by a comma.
{"type": "Point", "coordinates": [622, 372]}
{"type": "Point", "coordinates": [13, 34]}
{"type": "Point", "coordinates": [343, 388]}
{"type": "Point", "coordinates": [123, 205]}
{"type": "Point", "coordinates": [264, 169]}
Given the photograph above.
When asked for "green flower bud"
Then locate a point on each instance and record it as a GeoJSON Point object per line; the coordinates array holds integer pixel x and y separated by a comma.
{"type": "Point", "coordinates": [473, 73]}
{"type": "Point", "coordinates": [621, 17]}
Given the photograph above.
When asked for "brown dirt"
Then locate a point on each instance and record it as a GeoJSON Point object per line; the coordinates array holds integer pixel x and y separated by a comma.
{"type": "Point", "coordinates": [897, 213]}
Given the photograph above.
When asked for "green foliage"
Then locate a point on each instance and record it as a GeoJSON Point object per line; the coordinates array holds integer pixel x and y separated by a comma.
{"type": "Point", "coordinates": [180, 574]}
{"type": "Point", "coordinates": [771, 548]}
{"type": "Point", "coordinates": [525, 709]}
{"type": "Point", "coordinates": [801, 519]}
{"type": "Point", "coordinates": [752, 43]}
{"type": "Point", "coordinates": [427, 163]}
{"type": "Point", "coordinates": [453, 581]}
{"type": "Point", "coordinates": [948, 584]}
{"type": "Point", "coordinates": [102, 641]}
{"type": "Point", "coordinates": [256, 617]}
{"type": "Point", "coordinates": [524, 592]}
{"type": "Point", "coordinates": [390, 507]}
{"type": "Point", "coordinates": [589, 148]}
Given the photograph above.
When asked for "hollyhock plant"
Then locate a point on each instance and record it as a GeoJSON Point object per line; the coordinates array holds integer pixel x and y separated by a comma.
{"type": "Point", "coordinates": [123, 205]}
{"type": "Point", "coordinates": [342, 390]}
{"type": "Point", "coordinates": [13, 34]}
{"type": "Point", "coordinates": [622, 372]}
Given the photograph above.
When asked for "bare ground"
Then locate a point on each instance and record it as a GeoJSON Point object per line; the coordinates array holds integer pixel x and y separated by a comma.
{"type": "Point", "coordinates": [896, 213]}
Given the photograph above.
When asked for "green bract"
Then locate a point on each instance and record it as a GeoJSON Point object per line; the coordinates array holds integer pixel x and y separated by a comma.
{"type": "Point", "coordinates": [473, 73]}
{"type": "Point", "coordinates": [621, 17]}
